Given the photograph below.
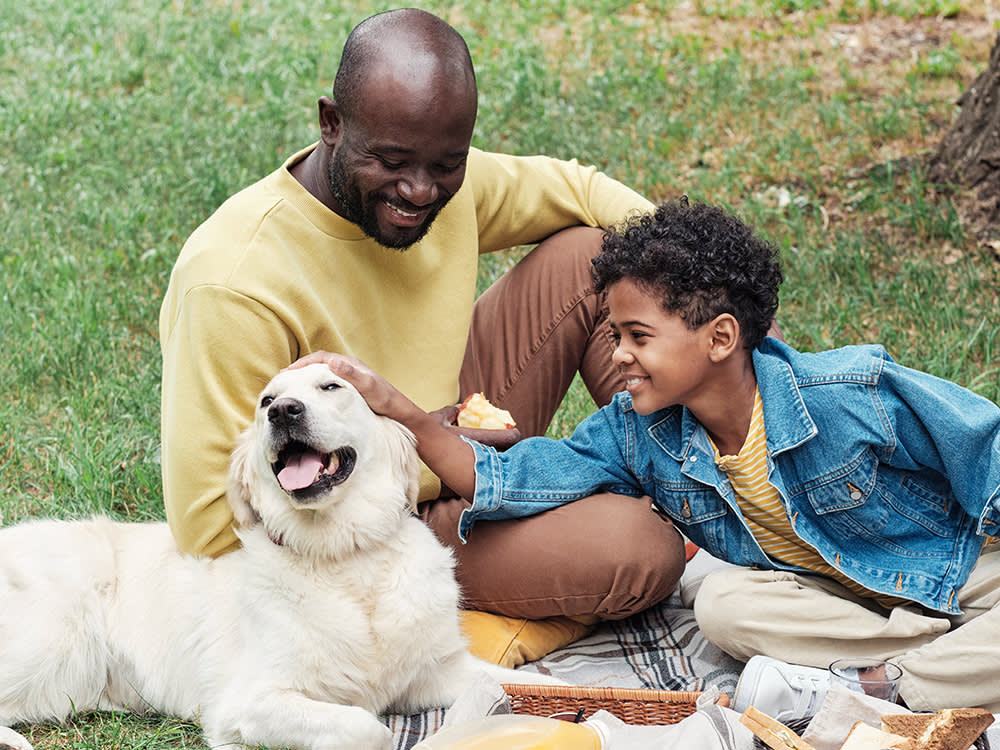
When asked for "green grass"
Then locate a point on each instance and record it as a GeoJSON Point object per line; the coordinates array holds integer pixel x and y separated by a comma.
{"type": "Point", "coordinates": [126, 122]}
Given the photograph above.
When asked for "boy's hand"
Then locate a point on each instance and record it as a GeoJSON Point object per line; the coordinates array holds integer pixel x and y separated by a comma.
{"type": "Point", "coordinates": [381, 396]}
{"type": "Point", "coordinates": [439, 440]}
{"type": "Point", "coordinates": [499, 439]}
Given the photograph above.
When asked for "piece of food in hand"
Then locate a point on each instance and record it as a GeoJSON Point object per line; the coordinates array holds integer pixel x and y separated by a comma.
{"type": "Point", "coordinates": [476, 412]}
{"type": "Point", "coordinates": [866, 737]}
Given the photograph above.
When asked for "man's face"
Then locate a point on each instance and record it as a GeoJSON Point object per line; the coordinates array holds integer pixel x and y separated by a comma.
{"type": "Point", "coordinates": [399, 159]}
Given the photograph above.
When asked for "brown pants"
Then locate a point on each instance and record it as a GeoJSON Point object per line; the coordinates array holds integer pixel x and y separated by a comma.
{"type": "Point", "coordinates": [607, 554]}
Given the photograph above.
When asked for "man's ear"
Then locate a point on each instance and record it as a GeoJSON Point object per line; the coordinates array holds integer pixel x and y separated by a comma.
{"type": "Point", "coordinates": [331, 125]}
{"type": "Point", "coordinates": [725, 337]}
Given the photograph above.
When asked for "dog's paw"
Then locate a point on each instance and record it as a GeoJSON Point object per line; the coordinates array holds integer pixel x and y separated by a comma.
{"type": "Point", "coordinates": [363, 730]}
{"type": "Point", "coordinates": [11, 740]}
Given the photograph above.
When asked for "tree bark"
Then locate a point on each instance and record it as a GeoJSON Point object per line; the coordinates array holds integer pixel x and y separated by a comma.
{"type": "Point", "coordinates": [969, 154]}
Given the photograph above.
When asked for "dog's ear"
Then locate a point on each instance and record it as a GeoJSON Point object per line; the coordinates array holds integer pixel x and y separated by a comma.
{"type": "Point", "coordinates": [403, 455]}
{"type": "Point", "coordinates": [239, 488]}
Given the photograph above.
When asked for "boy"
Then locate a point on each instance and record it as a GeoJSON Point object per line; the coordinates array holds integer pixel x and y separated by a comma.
{"type": "Point", "coordinates": [853, 495]}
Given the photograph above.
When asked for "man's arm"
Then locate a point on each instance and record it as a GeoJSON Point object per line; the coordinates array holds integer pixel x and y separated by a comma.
{"type": "Point", "coordinates": [219, 349]}
{"type": "Point", "coordinates": [521, 200]}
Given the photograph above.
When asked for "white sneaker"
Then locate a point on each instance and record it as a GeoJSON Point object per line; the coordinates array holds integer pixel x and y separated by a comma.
{"type": "Point", "coordinates": [780, 690]}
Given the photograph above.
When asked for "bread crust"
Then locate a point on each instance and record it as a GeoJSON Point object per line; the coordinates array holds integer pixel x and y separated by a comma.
{"type": "Point", "coordinates": [948, 729]}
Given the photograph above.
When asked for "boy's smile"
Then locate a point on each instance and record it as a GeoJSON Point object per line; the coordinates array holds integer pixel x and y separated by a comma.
{"type": "Point", "coordinates": [664, 362]}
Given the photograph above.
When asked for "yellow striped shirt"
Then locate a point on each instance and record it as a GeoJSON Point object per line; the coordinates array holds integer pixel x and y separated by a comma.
{"type": "Point", "coordinates": [761, 506]}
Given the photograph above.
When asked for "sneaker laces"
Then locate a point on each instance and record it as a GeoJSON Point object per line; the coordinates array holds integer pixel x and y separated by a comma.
{"type": "Point", "coordinates": [811, 691]}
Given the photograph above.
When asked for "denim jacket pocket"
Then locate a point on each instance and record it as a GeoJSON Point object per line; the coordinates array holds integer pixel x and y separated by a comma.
{"type": "Point", "coordinates": [868, 501]}
{"type": "Point", "coordinates": [846, 489]}
{"type": "Point", "coordinates": [689, 503]}
{"type": "Point", "coordinates": [706, 519]}
{"type": "Point", "coordinates": [843, 499]}
{"type": "Point", "coordinates": [926, 501]}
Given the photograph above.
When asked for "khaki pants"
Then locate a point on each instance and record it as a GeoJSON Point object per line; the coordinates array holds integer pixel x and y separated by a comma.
{"type": "Point", "coordinates": [609, 555]}
{"type": "Point", "coordinates": [947, 661]}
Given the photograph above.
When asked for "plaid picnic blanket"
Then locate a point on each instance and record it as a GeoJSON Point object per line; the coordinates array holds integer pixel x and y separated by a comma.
{"type": "Point", "coordinates": [659, 649]}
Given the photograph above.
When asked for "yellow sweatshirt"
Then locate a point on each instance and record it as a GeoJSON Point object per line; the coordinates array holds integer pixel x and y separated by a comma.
{"type": "Point", "coordinates": [273, 275]}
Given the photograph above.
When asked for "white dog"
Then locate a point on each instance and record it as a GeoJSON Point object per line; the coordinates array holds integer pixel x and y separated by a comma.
{"type": "Point", "coordinates": [340, 605]}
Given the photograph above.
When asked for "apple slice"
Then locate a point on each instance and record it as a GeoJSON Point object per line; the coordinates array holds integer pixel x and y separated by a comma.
{"type": "Point", "coordinates": [477, 412]}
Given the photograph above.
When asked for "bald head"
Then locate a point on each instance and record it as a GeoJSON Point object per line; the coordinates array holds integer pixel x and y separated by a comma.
{"type": "Point", "coordinates": [408, 45]}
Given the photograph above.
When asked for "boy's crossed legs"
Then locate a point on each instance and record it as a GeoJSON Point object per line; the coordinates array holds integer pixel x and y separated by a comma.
{"type": "Point", "coordinates": [813, 621]}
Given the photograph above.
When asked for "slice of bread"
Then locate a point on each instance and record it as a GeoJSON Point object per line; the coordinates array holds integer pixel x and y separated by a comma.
{"type": "Point", "coordinates": [948, 729]}
{"type": "Point", "coordinates": [955, 729]}
{"type": "Point", "coordinates": [908, 725]}
{"type": "Point", "coordinates": [866, 737]}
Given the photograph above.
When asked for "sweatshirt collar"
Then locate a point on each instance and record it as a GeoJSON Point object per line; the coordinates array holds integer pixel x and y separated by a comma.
{"type": "Point", "coordinates": [327, 221]}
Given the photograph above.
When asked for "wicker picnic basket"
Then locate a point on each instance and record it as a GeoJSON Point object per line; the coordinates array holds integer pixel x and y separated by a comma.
{"type": "Point", "coordinates": [631, 705]}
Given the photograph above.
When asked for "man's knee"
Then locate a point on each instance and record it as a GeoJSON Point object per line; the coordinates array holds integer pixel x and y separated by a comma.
{"type": "Point", "coordinates": [608, 555]}
{"type": "Point", "coordinates": [643, 554]}
{"type": "Point", "coordinates": [571, 248]}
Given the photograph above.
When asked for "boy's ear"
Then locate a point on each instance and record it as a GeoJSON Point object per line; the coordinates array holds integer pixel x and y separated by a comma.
{"type": "Point", "coordinates": [725, 337]}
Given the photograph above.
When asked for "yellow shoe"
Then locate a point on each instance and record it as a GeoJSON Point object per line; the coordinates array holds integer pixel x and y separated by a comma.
{"type": "Point", "coordinates": [511, 641]}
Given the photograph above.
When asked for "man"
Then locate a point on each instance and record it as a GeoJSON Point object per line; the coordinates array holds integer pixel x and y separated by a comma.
{"type": "Point", "coordinates": [367, 244]}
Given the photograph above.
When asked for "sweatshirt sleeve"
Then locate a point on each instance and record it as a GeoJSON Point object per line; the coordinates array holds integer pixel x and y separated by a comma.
{"type": "Point", "coordinates": [219, 351]}
{"type": "Point", "coordinates": [523, 199]}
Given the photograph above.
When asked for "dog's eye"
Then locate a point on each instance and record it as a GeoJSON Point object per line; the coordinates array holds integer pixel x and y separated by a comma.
{"type": "Point", "coordinates": [330, 386]}
{"type": "Point", "coordinates": [266, 401]}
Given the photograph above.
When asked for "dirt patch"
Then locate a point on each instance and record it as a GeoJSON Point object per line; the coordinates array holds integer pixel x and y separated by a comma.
{"type": "Point", "coordinates": [880, 52]}
{"type": "Point", "coordinates": [848, 49]}
{"type": "Point", "coordinates": [969, 153]}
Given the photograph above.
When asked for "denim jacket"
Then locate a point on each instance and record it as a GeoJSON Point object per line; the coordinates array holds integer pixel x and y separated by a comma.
{"type": "Point", "coordinates": [891, 474]}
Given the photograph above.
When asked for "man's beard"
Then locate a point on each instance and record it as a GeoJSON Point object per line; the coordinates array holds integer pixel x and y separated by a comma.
{"type": "Point", "coordinates": [356, 209]}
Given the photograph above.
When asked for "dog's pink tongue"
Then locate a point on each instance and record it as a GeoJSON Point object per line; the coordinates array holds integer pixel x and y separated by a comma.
{"type": "Point", "coordinates": [300, 471]}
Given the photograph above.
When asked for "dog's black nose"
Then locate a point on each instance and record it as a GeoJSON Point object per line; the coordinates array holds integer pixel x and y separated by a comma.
{"type": "Point", "coordinates": [285, 411]}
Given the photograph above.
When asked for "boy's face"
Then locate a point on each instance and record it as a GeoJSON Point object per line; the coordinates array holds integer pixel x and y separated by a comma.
{"type": "Point", "coordinates": [664, 362]}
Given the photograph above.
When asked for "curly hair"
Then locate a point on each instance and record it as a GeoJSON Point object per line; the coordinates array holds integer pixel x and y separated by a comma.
{"type": "Point", "coordinates": [700, 261]}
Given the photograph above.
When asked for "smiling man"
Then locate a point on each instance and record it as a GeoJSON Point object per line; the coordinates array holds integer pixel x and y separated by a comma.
{"type": "Point", "coordinates": [395, 140]}
{"type": "Point", "coordinates": [366, 243]}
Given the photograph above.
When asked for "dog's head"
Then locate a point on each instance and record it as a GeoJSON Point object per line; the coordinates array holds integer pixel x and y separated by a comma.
{"type": "Point", "coordinates": [319, 469]}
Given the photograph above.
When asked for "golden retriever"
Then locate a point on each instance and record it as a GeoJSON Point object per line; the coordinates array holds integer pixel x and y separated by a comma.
{"type": "Point", "coordinates": [339, 606]}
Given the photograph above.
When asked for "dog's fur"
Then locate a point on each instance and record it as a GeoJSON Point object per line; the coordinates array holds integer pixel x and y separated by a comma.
{"type": "Point", "coordinates": [340, 605]}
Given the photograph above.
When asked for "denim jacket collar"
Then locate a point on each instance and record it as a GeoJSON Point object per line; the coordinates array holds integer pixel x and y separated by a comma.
{"type": "Point", "coordinates": [786, 418]}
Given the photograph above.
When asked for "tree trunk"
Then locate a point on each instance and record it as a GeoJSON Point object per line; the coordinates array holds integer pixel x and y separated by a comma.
{"type": "Point", "coordinates": [969, 154]}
